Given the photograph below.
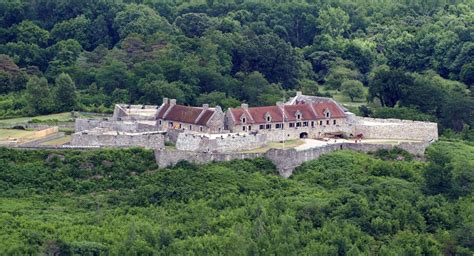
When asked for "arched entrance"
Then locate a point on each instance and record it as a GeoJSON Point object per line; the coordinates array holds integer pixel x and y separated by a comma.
{"type": "Point", "coordinates": [303, 135]}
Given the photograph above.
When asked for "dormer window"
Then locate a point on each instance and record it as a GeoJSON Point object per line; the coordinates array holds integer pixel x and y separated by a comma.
{"type": "Point", "coordinates": [268, 117]}
{"type": "Point", "coordinates": [298, 115]}
{"type": "Point", "coordinates": [327, 113]}
{"type": "Point", "coordinates": [243, 119]}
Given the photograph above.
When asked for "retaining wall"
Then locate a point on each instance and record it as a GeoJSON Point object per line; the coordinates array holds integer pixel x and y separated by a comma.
{"type": "Point", "coordinates": [285, 160]}
{"type": "Point", "coordinates": [377, 128]}
{"type": "Point", "coordinates": [147, 140]}
{"type": "Point", "coordinates": [121, 126]}
{"type": "Point", "coordinates": [224, 143]}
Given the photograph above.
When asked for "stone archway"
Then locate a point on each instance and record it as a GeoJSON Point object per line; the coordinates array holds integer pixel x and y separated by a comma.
{"type": "Point", "coordinates": [303, 135]}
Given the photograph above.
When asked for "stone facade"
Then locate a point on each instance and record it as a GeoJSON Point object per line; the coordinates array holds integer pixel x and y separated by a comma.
{"type": "Point", "coordinates": [285, 160]}
{"type": "Point", "coordinates": [124, 112]}
{"type": "Point", "coordinates": [121, 126]}
{"type": "Point", "coordinates": [377, 128]}
{"type": "Point", "coordinates": [153, 140]}
{"type": "Point", "coordinates": [222, 143]}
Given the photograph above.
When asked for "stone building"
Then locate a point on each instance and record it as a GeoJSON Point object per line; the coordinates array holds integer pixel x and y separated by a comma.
{"type": "Point", "coordinates": [295, 119]}
{"type": "Point", "coordinates": [199, 119]}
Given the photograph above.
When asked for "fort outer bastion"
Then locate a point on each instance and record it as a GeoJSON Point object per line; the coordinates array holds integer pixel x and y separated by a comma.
{"type": "Point", "coordinates": [285, 160]}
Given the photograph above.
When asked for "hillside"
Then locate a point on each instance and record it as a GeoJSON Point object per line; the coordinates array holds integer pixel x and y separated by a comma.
{"type": "Point", "coordinates": [117, 202]}
{"type": "Point", "coordinates": [384, 58]}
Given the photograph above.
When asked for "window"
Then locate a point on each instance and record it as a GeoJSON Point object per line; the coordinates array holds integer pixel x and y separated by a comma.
{"type": "Point", "coordinates": [170, 124]}
{"type": "Point", "coordinates": [262, 127]}
{"type": "Point", "coordinates": [292, 125]}
{"type": "Point", "coordinates": [244, 120]}
{"type": "Point", "coordinates": [298, 124]}
{"type": "Point", "coordinates": [268, 126]}
{"type": "Point", "coordinates": [298, 116]}
{"type": "Point", "coordinates": [320, 122]}
{"type": "Point", "coordinates": [279, 126]}
{"type": "Point", "coordinates": [160, 122]}
{"type": "Point", "coordinates": [327, 122]}
{"type": "Point", "coordinates": [268, 117]}
{"type": "Point", "coordinates": [179, 126]}
{"type": "Point", "coordinates": [305, 124]}
{"type": "Point", "coordinates": [334, 121]}
{"type": "Point", "coordinates": [250, 127]}
{"type": "Point", "coordinates": [244, 128]}
{"type": "Point", "coordinates": [200, 128]}
{"type": "Point", "coordinates": [312, 123]}
{"type": "Point", "coordinates": [327, 114]}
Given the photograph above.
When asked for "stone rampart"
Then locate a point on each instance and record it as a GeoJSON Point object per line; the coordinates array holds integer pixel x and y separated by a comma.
{"type": "Point", "coordinates": [166, 158]}
{"type": "Point", "coordinates": [285, 160]}
{"type": "Point", "coordinates": [147, 140]}
{"type": "Point", "coordinates": [216, 143]}
{"type": "Point", "coordinates": [376, 128]}
{"type": "Point", "coordinates": [121, 126]}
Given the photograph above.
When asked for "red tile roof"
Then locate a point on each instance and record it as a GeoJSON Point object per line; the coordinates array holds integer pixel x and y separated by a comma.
{"type": "Point", "coordinates": [256, 115]}
{"type": "Point", "coordinates": [336, 111]}
{"type": "Point", "coordinates": [185, 114]}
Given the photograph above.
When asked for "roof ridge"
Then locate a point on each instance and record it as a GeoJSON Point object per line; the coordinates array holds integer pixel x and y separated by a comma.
{"type": "Point", "coordinates": [203, 110]}
{"type": "Point", "coordinates": [168, 111]}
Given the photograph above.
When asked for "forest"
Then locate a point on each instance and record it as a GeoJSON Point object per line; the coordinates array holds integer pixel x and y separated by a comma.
{"type": "Point", "coordinates": [385, 58]}
{"type": "Point", "coordinates": [116, 202]}
{"type": "Point", "coordinates": [411, 59]}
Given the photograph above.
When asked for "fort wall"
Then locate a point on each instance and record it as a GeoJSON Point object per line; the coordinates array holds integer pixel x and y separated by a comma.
{"type": "Point", "coordinates": [121, 126]}
{"type": "Point", "coordinates": [147, 140]}
{"type": "Point", "coordinates": [285, 160]}
{"type": "Point", "coordinates": [223, 143]}
{"type": "Point", "coordinates": [376, 128]}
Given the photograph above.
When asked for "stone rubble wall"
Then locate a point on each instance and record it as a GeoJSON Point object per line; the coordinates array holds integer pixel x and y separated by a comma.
{"type": "Point", "coordinates": [225, 143]}
{"type": "Point", "coordinates": [376, 128]}
{"type": "Point", "coordinates": [88, 124]}
{"type": "Point", "coordinates": [147, 140]}
{"type": "Point", "coordinates": [285, 160]}
{"type": "Point", "coordinates": [166, 158]}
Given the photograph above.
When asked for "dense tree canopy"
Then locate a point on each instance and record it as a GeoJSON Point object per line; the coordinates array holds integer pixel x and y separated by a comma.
{"type": "Point", "coordinates": [139, 48]}
{"type": "Point", "coordinates": [116, 202]}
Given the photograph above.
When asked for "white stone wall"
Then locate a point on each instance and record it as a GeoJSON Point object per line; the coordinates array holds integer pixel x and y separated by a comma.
{"type": "Point", "coordinates": [150, 140]}
{"type": "Point", "coordinates": [121, 126]}
{"type": "Point", "coordinates": [376, 128]}
{"type": "Point", "coordinates": [224, 143]}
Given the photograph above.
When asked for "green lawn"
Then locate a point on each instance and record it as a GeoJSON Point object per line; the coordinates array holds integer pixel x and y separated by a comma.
{"type": "Point", "coordinates": [6, 134]}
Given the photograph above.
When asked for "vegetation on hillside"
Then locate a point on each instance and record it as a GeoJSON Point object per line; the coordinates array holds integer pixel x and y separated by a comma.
{"type": "Point", "coordinates": [116, 202]}
{"type": "Point", "coordinates": [64, 55]}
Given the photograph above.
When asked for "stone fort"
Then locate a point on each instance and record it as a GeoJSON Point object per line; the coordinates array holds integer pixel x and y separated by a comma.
{"type": "Point", "coordinates": [204, 134]}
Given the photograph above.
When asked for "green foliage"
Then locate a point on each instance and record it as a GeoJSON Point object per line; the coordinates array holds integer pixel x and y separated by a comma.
{"type": "Point", "coordinates": [38, 96]}
{"type": "Point", "coordinates": [401, 113]}
{"type": "Point", "coordinates": [353, 89]}
{"type": "Point", "coordinates": [65, 93]}
{"type": "Point", "coordinates": [411, 54]}
{"type": "Point", "coordinates": [117, 202]}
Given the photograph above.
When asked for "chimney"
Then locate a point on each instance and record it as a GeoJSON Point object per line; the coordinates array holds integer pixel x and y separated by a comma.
{"type": "Point", "coordinates": [172, 102]}
{"type": "Point", "coordinates": [298, 93]}
{"type": "Point", "coordinates": [244, 105]}
{"type": "Point", "coordinates": [205, 106]}
{"type": "Point", "coordinates": [165, 100]}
